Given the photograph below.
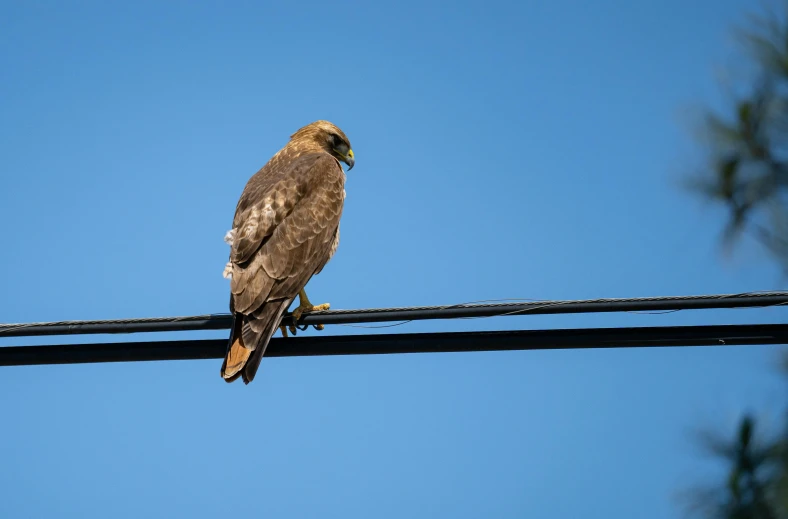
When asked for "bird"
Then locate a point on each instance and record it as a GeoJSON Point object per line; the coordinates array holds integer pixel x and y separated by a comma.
{"type": "Point", "coordinates": [285, 230]}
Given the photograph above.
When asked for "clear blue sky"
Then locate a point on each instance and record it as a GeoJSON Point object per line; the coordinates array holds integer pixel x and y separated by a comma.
{"type": "Point", "coordinates": [504, 150]}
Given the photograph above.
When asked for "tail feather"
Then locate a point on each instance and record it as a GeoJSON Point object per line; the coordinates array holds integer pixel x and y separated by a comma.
{"type": "Point", "coordinates": [269, 318]}
{"type": "Point", "coordinates": [237, 352]}
{"type": "Point", "coordinates": [249, 339]}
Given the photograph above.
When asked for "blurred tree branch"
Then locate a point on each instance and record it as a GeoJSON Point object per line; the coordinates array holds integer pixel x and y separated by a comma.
{"type": "Point", "coordinates": [748, 174]}
{"type": "Point", "coordinates": [757, 483]}
{"type": "Point", "coordinates": [752, 487]}
{"type": "Point", "coordinates": [749, 147]}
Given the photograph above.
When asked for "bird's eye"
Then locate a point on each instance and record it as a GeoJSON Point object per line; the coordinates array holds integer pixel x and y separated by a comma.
{"type": "Point", "coordinates": [336, 140]}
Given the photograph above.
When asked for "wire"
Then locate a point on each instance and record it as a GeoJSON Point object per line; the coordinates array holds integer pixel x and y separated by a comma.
{"type": "Point", "coordinates": [371, 315]}
{"type": "Point", "coordinates": [660, 336]}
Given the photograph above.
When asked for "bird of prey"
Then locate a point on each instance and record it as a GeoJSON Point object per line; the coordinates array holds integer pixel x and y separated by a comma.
{"type": "Point", "coordinates": [285, 230]}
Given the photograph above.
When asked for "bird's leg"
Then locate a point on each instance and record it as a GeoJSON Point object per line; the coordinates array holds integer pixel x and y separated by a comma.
{"type": "Point", "coordinates": [304, 307]}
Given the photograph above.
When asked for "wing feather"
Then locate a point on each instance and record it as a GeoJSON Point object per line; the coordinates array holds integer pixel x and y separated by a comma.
{"type": "Point", "coordinates": [332, 250]}
{"type": "Point", "coordinates": [282, 237]}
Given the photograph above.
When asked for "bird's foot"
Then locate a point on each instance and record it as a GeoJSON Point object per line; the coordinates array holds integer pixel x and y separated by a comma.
{"type": "Point", "coordinates": [305, 307]}
{"type": "Point", "coordinates": [284, 331]}
{"type": "Point", "coordinates": [298, 312]}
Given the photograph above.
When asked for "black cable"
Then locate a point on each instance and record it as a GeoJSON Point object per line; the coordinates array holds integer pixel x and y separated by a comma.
{"type": "Point", "coordinates": [660, 336]}
{"type": "Point", "coordinates": [223, 321]}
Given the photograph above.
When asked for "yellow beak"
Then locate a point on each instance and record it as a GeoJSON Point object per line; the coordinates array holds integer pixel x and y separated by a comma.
{"type": "Point", "coordinates": [349, 159]}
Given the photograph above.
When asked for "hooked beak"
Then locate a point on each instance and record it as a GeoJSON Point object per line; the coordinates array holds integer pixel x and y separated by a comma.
{"type": "Point", "coordinates": [349, 159]}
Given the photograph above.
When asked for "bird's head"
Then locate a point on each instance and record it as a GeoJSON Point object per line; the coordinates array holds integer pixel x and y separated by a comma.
{"type": "Point", "coordinates": [328, 137]}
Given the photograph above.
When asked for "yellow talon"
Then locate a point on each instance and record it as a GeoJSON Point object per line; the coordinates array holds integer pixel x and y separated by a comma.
{"type": "Point", "coordinates": [305, 307]}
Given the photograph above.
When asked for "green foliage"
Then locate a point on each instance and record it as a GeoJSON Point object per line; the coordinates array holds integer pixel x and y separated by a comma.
{"type": "Point", "coordinates": [749, 146]}
{"type": "Point", "coordinates": [757, 482]}
{"type": "Point", "coordinates": [748, 152]}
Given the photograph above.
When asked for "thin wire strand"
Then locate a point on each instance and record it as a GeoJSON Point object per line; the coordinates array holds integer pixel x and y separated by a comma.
{"type": "Point", "coordinates": [7, 329]}
{"type": "Point", "coordinates": [552, 303]}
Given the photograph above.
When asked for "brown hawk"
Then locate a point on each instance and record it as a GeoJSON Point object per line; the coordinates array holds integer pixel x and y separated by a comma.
{"type": "Point", "coordinates": [286, 228]}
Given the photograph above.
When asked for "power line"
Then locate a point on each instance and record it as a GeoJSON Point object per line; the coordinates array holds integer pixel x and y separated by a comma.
{"type": "Point", "coordinates": [660, 336]}
{"type": "Point", "coordinates": [371, 315]}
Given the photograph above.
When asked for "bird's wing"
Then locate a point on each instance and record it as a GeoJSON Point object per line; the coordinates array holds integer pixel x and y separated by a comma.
{"type": "Point", "coordinates": [331, 251]}
{"type": "Point", "coordinates": [285, 225]}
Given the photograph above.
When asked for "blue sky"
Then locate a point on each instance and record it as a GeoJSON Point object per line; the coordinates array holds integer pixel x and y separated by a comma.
{"type": "Point", "coordinates": [504, 150]}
